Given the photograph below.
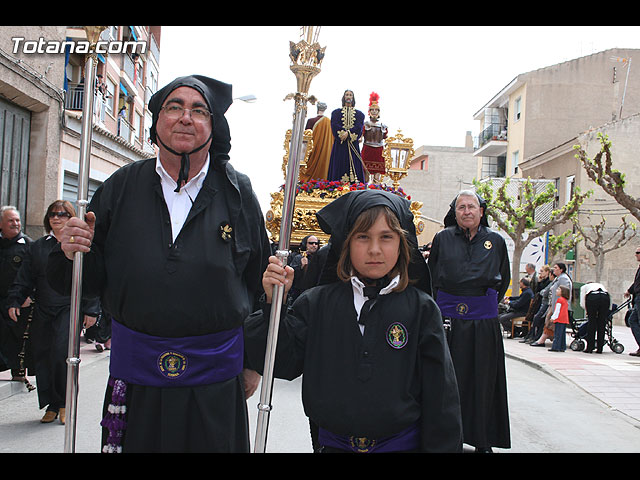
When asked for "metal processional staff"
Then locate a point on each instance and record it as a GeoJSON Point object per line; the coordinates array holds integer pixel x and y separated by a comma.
{"type": "Point", "coordinates": [306, 57]}
{"type": "Point", "coordinates": [75, 323]}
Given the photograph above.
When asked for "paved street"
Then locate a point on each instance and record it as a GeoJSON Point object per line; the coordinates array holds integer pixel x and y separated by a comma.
{"type": "Point", "coordinates": [611, 378]}
{"type": "Point", "coordinates": [20, 427]}
{"type": "Point", "coordinates": [549, 414]}
{"type": "Point", "coordinates": [559, 402]}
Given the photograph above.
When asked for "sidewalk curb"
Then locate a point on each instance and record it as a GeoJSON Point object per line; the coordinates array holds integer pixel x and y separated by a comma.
{"type": "Point", "coordinates": [8, 387]}
{"type": "Point", "coordinates": [558, 376]}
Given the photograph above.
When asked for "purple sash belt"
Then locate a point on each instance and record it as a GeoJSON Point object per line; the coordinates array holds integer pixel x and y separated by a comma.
{"type": "Point", "coordinates": [407, 440]}
{"type": "Point", "coordinates": [143, 359]}
{"type": "Point", "coordinates": [468, 308]}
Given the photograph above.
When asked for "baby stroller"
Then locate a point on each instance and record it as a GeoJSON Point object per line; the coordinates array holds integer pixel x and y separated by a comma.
{"type": "Point", "coordinates": [579, 327]}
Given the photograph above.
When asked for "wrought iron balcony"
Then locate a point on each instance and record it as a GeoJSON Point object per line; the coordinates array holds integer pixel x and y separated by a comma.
{"type": "Point", "coordinates": [495, 131]}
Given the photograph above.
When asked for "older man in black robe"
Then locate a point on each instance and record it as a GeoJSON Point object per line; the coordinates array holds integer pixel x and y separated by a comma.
{"type": "Point", "coordinates": [14, 247]}
{"type": "Point", "coordinates": [176, 246]}
{"type": "Point", "coordinates": [470, 271]}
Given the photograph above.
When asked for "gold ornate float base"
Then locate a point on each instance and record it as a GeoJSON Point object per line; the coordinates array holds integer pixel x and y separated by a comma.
{"type": "Point", "coordinates": [311, 200]}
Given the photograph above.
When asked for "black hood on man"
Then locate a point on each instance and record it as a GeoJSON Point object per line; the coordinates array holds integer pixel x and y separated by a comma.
{"type": "Point", "coordinates": [218, 96]}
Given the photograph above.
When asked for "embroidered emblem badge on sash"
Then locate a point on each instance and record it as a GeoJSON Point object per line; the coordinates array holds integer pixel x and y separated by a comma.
{"type": "Point", "coordinates": [397, 335]}
{"type": "Point", "coordinates": [361, 444]}
{"type": "Point", "coordinates": [462, 308]}
{"type": "Point", "coordinates": [172, 364]}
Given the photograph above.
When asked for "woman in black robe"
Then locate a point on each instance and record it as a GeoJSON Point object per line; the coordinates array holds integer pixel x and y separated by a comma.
{"type": "Point", "coordinates": [49, 329]}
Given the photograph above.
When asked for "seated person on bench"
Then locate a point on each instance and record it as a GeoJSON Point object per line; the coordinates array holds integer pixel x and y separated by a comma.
{"type": "Point", "coordinates": [518, 305]}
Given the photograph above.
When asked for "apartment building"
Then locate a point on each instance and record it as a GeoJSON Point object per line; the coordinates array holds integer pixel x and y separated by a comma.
{"type": "Point", "coordinates": [529, 130]}
{"type": "Point", "coordinates": [126, 77]}
{"type": "Point", "coordinates": [41, 96]}
{"type": "Point", "coordinates": [542, 109]}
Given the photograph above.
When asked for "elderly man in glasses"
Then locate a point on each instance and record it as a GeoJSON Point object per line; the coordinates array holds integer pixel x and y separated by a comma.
{"type": "Point", "coordinates": [176, 246]}
{"type": "Point", "coordinates": [471, 272]}
{"type": "Point", "coordinates": [634, 318]}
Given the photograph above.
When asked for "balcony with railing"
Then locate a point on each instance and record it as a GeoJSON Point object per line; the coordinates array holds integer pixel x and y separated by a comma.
{"type": "Point", "coordinates": [492, 141]}
{"type": "Point", "coordinates": [74, 100]}
{"type": "Point", "coordinates": [128, 67]}
{"type": "Point", "coordinates": [125, 130]}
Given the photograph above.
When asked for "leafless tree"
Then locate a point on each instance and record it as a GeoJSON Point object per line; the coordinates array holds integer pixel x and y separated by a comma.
{"type": "Point", "coordinates": [599, 242]}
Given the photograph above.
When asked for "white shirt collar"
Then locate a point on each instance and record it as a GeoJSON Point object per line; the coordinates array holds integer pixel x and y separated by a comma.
{"type": "Point", "coordinates": [179, 203]}
{"type": "Point", "coordinates": [358, 286]}
{"type": "Point", "coordinates": [196, 180]}
{"type": "Point", "coordinates": [358, 294]}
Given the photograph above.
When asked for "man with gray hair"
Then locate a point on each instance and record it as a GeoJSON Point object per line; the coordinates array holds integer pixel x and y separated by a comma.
{"type": "Point", "coordinates": [533, 278]}
{"type": "Point", "coordinates": [14, 245]}
{"type": "Point", "coordinates": [176, 247]}
{"type": "Point", "coordinates": [470, 273]}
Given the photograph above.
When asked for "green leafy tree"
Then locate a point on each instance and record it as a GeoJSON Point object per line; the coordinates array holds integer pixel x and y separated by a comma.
{"type": "Point", "coordinates": [517, 217]}
{"type": "Point", "coordinates": [559, 245]}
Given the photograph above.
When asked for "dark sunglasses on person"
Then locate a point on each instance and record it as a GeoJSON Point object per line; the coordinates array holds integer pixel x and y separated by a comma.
{"type": "Point", "coordinates": [59, 214]}
{"type": "Point", "coordinates": [312, 243]}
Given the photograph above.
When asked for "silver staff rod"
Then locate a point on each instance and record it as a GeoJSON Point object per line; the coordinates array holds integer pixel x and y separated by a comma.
{"type": "Point", "coordinates": [306, 57]}
{"type": "Point", "coordinates": [293, 166]}
{"type": "Point", "coordinates": [75, 321]}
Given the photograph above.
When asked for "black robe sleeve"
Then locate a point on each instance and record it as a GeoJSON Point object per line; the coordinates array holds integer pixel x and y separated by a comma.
{"type": "Point", "coordinates": [289, 360]}
{"type": "Point", "coordinates": [24, 283]}
{"type": "Point", "coordinates": [60, 268]}
{"type": "Point", "coordinates": [441, 421]}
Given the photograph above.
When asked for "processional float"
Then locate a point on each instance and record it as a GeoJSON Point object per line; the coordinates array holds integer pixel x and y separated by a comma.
{"type": "Point", "coordinates": [293, 207]}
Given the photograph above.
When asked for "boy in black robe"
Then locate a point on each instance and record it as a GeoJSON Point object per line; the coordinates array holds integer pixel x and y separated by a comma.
{"type": "Point", "coordinates": [375, 378]}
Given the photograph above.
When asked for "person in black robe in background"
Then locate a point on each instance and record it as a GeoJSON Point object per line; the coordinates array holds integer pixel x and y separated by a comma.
{"type": "Point", "coordinates": [301, 264]}
{"type": "Point", "coordinates": [177, 255]}
{"type": "Point", "coordinates": [14, 247]}
{"type": "Point", "coordinates": [49, 329]}
{"type": "Point", "coordinates": [470, 271]}
{"type": "Point", "coordinates": [370, 345]}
